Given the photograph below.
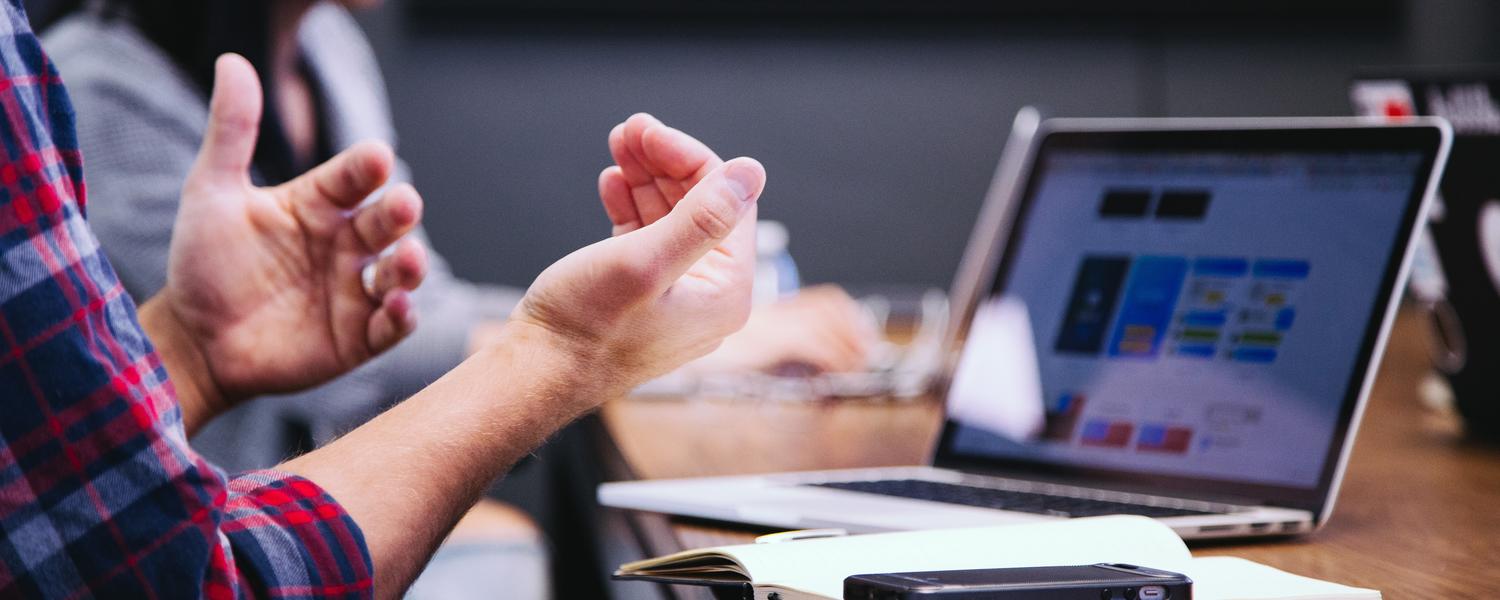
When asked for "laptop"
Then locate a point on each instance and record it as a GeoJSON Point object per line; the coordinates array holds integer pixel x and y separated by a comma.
{"type": "Point", "coordinates": [1173, 318]}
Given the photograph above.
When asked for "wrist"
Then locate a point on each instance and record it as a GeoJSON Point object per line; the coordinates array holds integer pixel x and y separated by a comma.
{"type": "Point", "coordinates": [483, 335]}
{"type": "Point", "coordinates": [570, 369]}
{"type": "Point", "coordinates": [198, 394]}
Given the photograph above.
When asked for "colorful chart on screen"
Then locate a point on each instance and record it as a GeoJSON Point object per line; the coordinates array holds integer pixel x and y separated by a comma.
{"type": "Point", "coordinates": [1196, 314]}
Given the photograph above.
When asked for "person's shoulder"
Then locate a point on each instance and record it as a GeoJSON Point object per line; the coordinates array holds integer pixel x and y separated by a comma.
{"type": "Point", "coordinates": [107, 62]}
{"type": "Point", "coordinates": [14, 21]}
{"type": "Point", "coordinates": [329, 30]}
{"type": "Point", "coordinates": [86, 42]}
{"type": "Point", "coordinates": [327, 18]}
{"type": "Point", "coordinates": [338, 52]}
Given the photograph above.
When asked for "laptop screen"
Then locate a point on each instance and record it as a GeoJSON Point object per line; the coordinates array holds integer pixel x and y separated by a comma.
{"type": "Point", "coordinates": [1189, 311]}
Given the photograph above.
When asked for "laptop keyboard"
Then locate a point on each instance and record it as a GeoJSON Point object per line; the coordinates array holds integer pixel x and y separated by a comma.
{"type": "Point", "coordinates": [1028, 502]}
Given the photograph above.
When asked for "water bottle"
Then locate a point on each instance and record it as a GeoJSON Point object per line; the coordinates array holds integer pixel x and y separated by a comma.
{"type": "Point", "coordinates": [776, 274]}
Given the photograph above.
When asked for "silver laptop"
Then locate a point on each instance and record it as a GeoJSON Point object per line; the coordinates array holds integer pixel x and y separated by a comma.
{"type": "Point", "coordinates": [1173, 318]}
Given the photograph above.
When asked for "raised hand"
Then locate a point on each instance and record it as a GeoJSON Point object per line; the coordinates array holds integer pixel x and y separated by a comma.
{"type": "Point", "coordinates": [266, 282]}
{"type": "Point", "coordinates": [655, 166]}
{"type": "Point", "coordinates": [661, 292]}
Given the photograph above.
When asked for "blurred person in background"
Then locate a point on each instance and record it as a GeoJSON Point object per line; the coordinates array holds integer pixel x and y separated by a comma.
{"type": "Point", "coordinates": [139, 72]}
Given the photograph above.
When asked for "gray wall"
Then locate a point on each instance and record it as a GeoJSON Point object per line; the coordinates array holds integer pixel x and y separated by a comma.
{"type": "Point", "coordinates": [879, 137]}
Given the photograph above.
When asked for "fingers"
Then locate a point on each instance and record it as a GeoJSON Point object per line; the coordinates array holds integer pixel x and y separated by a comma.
{"type": "Point", "coordinates": [396, 275]}
{"type": "Point", "coordinates": [848, 332]}
{"type": "Point", "coordinates": [233, 123]}
{"type": "Point", "coordinates": [678, 155]}
{"type": "Point", "coordinates": [825, 356]}
{"type": "Point", "coordinates": [706, 218]}
{"type": "Point", "coordinates": [344, 181]}
{"type": "Point", "coordinates": [393, 321]}
{"type": "Point", "coordinates": [625, 147]}
{"type": "Point", "coordinates": [402, 269]}
{"type": "Point", "coordinates": [843, 350]}
{"type": "Point", "coordinates": [658, 164]}
{"type": "Point", "coordinates": [614, 192]}
{"type": "Point", "coordinates": [394, 215]}
{"type": "Point", "coordinates": [650, 205]}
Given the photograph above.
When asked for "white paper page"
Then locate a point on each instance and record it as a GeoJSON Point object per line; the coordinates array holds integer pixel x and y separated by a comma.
{"type": "Point", "coordinates": [820, 566]}
{"type": "Point", "coordinates": [1229, 578]}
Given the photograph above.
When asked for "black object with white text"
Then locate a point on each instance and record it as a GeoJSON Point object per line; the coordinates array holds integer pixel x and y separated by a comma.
{"type": "Point", "coordinates": [1456, 277]}
{"type": "Point", "coordinates": [1083, 582]}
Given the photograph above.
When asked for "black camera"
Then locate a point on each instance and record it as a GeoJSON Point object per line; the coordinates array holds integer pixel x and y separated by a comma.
{"type": "Point", "coordinates": [1107, 581]}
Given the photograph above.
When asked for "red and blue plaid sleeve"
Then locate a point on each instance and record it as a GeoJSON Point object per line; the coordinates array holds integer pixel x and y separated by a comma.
{"type": "Point", "coordinates": [100, 494]}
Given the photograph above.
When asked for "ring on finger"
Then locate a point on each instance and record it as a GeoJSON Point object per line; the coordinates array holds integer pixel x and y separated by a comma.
{"type": "Point", "coordinates": [367, 277]}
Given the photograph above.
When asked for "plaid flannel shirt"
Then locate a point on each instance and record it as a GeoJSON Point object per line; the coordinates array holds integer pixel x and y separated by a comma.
{"type": "Point", "coordinates": [100, 494]}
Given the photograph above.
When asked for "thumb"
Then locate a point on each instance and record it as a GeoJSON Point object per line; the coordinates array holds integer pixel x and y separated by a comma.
{"type": "Point", "coordinates": [704, 219]}
{"type": "Point", "coordinates": [233, 123]}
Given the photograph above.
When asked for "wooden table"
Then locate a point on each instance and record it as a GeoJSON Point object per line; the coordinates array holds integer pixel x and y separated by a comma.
{"type": "Point", "coordinates": [1418, 516]}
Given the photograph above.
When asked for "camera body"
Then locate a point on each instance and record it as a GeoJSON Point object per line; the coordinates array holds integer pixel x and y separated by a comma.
{"type": "Point", "coordinates": [1112, 581]}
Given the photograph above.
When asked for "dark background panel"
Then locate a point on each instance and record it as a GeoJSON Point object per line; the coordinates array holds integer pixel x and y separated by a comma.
{"type": "Point", "coordinates": [879, 133]}
{"type": "Point", "coordinates": [879, 121]}
{"type": "Point", "coordinates": [468, 8]}
{"type": "Point", "coordinates": [878, 147]}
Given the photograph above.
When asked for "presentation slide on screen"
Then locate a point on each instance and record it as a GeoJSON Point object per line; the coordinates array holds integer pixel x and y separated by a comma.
{"type": "Point", "coordinates": [1194, 314]}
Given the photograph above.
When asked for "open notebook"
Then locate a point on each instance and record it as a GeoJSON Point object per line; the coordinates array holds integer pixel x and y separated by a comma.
{"type": "Point", "coordinates": [816, 568]}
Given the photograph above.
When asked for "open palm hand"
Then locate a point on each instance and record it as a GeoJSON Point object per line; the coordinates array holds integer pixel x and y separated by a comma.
{"type": "Point", "coordinates": [267, 281]}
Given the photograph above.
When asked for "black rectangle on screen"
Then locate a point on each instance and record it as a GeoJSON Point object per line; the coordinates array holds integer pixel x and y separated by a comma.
{"type": "Point", "coordinates": [1125, 204]}
{"type": "Point", "coordinates": [1182, 204]}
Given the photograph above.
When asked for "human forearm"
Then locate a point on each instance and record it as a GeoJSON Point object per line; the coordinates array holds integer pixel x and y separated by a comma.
{"type": "Point", "coordinates": [408, 475]}
{"type": "Point", "coordinates": [200, 398]}
{"type": "Point", "coordinates": [594, 324]}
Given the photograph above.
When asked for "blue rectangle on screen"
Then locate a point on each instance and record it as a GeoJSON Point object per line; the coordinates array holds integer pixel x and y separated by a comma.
{"type": "Point", "coordinates": [1196, 351]}
{"type": "Point", "coordinates": [1282, 269]}
{"type": "Point", "coordinates": [1205, 318]}
{"type": "Point", "coordinates": [1255, 355]}
{"type": "Point", "coordinates": [1285, 317]}
{"type": "Point", "coordinates": [1221, 267]}
{"type": "Point", "coordinates": [1152, 435]}
{"type": "Point", "coordinates": [1149, 301]}
{"type": "Point", "coordinates": [1095, 430]}
{"type": "Point", "coordinates": [1064, 401]}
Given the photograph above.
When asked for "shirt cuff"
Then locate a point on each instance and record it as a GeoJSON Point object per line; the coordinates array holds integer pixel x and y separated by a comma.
{"type": "Point", "coordinates": [290, 539]}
